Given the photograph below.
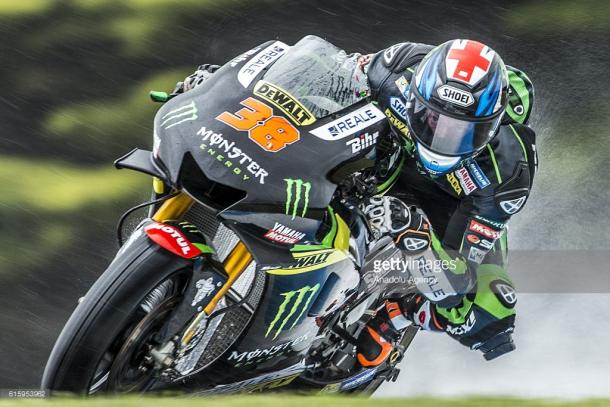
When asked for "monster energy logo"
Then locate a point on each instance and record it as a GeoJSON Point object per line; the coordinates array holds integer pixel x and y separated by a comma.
{"type": "Point", "coordinates": [294, 199]}
{"type": "Point", "coordinates": [299, 302]}
{"type": "Point", "coordinates": [179, 115]}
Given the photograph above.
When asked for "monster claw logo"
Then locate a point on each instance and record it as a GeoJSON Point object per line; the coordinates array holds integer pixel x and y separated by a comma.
{"type": "Point", "coordinates": [179, 115]}
{"type": "Point", "coordinates": [293, 200]}
{"type": "Point", "coordinates": [300, 300]}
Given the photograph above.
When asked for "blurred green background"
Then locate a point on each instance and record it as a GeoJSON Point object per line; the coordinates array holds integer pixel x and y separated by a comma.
{"type": "Point", "coordinates": [75, 78]}
{"type": "Point", "coordinates": [78, 73]}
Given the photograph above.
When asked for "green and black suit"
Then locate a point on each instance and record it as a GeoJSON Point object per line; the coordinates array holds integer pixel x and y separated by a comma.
{"type": "Point", "coordinates": [468, 208]}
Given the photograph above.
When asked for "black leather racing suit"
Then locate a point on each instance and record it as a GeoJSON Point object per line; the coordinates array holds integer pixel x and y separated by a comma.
{"type": "Point", "coordinates": [467, 209]}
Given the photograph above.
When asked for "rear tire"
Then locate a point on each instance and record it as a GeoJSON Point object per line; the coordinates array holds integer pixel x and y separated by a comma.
{"type": "Point", "coordinates": [106, 316]}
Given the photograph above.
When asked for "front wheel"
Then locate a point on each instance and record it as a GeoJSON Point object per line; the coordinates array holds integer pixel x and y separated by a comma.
{"type": "Point", "coordinates": [105, 343]}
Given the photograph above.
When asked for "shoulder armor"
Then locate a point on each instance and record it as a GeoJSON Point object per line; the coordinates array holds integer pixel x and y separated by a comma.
{"type": "Point", "coordinates": [513, 143]}
{"type": "Point", "coordinates": [510, 197]}
{"type": "Point", "coordinates": [400, 56]}
{"type": "Point", "coordinates": [395, 59]}
{"type": "Point", "coordinates": [502, 175]}
{"type": "Point", "coordinates": [520, 97]}
{"type": "Point", "coordinates": [515, 153]}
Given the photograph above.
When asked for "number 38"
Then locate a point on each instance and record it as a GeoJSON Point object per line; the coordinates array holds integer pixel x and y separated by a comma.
{"type": "Point", "coordinates": [272, 133]}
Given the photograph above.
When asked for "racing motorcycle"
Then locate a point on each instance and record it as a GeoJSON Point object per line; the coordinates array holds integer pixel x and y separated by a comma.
{"type": "Point", "coordinates": [252, 269]}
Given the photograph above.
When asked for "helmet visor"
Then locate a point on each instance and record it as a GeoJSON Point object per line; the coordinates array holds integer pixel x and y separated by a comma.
{"type": "Point", "coordinates": [445, 134]}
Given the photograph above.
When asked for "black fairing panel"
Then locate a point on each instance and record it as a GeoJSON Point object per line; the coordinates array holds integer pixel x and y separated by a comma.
{"type": "Point", "coordinates": [183, 122]}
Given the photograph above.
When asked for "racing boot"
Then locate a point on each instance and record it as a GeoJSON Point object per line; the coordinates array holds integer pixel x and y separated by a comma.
{"type": "Point", "coordinates": [376, 341]}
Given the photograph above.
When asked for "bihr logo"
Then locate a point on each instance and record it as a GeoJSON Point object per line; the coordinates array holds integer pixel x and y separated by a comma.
{"type": "Point", "coordinates": [292, 308]}
{"type": "Point", "coordinates": [362, 142]}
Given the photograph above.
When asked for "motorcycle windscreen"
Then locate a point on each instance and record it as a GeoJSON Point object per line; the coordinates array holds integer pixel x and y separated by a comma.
{"type": "Point", "coordinates": [321, 76]}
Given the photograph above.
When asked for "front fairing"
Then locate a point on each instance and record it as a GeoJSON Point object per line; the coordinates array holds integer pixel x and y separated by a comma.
{"type": "Point", "coordinates": [293, 180]}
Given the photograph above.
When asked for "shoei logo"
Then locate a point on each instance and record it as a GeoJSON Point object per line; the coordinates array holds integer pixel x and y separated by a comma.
{"type": "Point", "coordinates": [399, 107]}
{"type": "Point", "coordinates": [179, 115]}
{"type": "Point", "coordinates": [285, 102]}
{"type": "Point", "coordinates": [292, 308]}
{"type": "Point", "coordinates": [512, 206]}
{"type": "Point", "coordinates": [271, 133]}
{"type": "Point", "coordinates": [297, 194]}
{"type": "Point", "coordinates": [455, 95]}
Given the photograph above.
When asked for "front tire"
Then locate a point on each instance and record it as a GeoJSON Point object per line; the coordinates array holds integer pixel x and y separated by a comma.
{"type": "Point", "coordinates": [110, 310]}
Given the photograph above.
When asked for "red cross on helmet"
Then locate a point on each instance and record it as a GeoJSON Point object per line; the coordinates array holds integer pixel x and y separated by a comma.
{"type": "Point", "coordinates": [455, 103]}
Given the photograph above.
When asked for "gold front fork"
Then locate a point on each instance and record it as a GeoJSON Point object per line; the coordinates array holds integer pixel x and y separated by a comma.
{"type": "Point", "coordinates": [235, 264]}
{"type": "Point", "coordinates": [173, 208]}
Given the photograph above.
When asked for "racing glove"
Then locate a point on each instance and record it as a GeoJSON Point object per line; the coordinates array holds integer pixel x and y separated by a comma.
{"type": "Point", "coordinates": [497, 345]}
{"type": "Point", "coordinates": [203, 73]}
{"type": "Point", "coordinates": [386, 216]}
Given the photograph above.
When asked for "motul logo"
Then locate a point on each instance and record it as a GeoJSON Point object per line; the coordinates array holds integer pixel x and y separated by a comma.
{"type": "Point", "coordinates": [171, 239]}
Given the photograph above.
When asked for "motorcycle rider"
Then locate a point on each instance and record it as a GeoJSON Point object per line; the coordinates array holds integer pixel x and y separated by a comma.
{"type": "Point", "coordinates": [461, 117]}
